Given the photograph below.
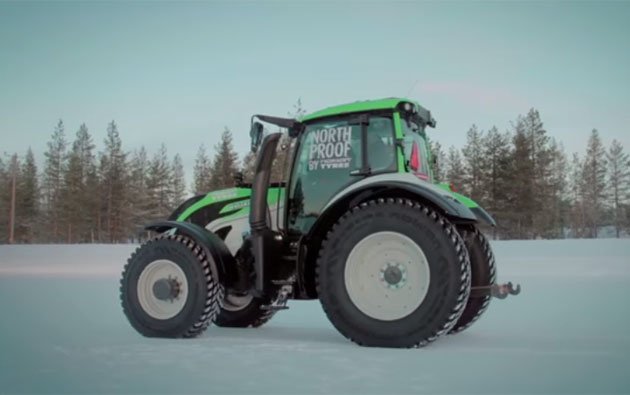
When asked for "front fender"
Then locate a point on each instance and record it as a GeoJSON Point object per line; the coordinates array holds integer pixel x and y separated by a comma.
{"type": "Point", "coordinates": [221, 261]}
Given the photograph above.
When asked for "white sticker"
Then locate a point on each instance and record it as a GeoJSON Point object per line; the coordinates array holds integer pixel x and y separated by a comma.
{"type": "Point", "coordinates": [330, 148]}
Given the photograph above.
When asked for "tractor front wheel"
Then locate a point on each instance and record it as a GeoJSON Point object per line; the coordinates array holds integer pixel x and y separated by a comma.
{"type": "Point", "coordinates": [169, 288]}
{"type": "Point", "coordinates": [393, 273]}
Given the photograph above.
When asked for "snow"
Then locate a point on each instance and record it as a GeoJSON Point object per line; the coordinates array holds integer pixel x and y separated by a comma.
{"type": "Point", "coordinates": [62, 331]}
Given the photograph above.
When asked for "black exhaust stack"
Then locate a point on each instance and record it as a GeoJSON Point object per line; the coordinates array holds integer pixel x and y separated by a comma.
{"type": "Point", "coordinates": [261, 235]}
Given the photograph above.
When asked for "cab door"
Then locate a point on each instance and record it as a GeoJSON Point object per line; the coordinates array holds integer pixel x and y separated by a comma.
{"type": "Point", "coordinates": [330, 157]}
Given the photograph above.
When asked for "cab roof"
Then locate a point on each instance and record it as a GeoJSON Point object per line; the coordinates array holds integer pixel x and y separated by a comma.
{"type": "Point", "coordinates": [360, 106]}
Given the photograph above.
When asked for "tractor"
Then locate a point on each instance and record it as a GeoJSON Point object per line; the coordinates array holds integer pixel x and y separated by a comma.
{"type": "Point", "coordinates": [395, 259]}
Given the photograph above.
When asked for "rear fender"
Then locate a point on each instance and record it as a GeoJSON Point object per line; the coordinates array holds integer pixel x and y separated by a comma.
{"type": "Point", "coordinates": [434, 195]}
{"type": "Point", "coordinates": [481, 214]}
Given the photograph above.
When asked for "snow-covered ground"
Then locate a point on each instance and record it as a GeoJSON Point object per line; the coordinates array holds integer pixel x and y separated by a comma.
{"type": "Point", "coordinates": [62, 331]}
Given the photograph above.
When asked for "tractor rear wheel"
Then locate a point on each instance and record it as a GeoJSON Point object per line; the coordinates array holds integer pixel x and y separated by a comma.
{"type": "Point", "coordinates": [169, 288]}
{"type": "Point", "coordinates": [393, 273]}
{"type": "Point", "coordinates": [243, 311]}
{"type": "Point", "coordinates": [483, 273]}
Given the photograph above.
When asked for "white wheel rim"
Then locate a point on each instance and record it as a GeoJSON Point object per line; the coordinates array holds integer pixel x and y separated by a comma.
{"type": "Point", "coordinates": [157, 308]}
{"type": "Point", "coordinates": [234, 302]}
{"type": "Point", "coordinates": [387, 276]}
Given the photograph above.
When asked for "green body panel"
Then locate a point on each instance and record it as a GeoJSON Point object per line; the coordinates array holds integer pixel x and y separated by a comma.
{"type": "Point", "coordinates": [359, 106]}
{"type": "Point", "coordinates": [214, 197]}
{"type": "Point", "coordinates": [273, 196]}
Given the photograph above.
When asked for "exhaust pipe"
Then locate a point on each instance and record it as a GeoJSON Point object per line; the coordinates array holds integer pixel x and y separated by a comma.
{"type": "Point", "coordinates": [261, 235]}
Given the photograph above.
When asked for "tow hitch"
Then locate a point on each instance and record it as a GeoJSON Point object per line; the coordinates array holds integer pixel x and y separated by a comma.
{"type": "Point", "coordinates": [500, 291]}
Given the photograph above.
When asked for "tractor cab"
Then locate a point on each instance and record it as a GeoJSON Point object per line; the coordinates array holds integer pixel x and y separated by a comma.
{"type": "Point", "coordinates": [340, 146]}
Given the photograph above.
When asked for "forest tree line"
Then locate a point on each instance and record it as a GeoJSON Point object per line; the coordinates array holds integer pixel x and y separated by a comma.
{"type": "Point", "coordinates": [521, 176]}
{"type": "Point", "coordinates": [84, 196]}
{"type": "Point", "coordinates": [524, 178]}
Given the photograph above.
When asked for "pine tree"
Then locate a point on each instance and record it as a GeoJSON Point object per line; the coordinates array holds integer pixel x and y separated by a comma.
{"type": "Point", "coordinates": [438, 161]}
{"type": "Point", "coordinates": [577, 215]}
{"type": "Point", "coordinates": [28, 204]}
{"type": "Point", "coordinates": [202, 176]}
{"type": "Point", "coordinates": [473, 163]}
{"type": "Point", "coordinates": [77, 198]}
{"type": "Point", "coordinates": [455, 170]}
{"type": "Point", "coordinates": [618, 182]}
{"type": "Point", "coordinates": [594, 190]}
{"type": "Point", "coordinates": [4, 208]}
{"type": "Point", "coordinates": [225, 163]}
{"type": "Point", "coordinates": [14, 177]}
{"type": "Point", "coordinates": [113, 180]}
{"type": "Point", "coordinates": [53, 182]}
{"type": "Point", "coordinates": [540, 159]}
{"type": "Point", "coordinates": [555, 211]}
{"type": "Point", "coordinates": [159, 184]}
{"type": "Point", "coordinates": [138, 191]}
{"type": "Point", "coordinates": [71, 195]}
{"type": "Point", "coordinates": [520, 192]}
{"type": "Point", "coordinates": [93, 203]}
{"type": "Point", "coordinates": [178, 183]}
{"type": "Point", "coordinates": [496, 173]}
{"type": "Point", "coordinates": [249, 167]}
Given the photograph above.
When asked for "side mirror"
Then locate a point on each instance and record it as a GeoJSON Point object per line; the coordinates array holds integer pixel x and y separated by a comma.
{"type": "Point", "coordinates": [256, 135]}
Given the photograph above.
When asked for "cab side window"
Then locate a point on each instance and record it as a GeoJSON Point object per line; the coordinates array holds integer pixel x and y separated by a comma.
{"type": "Point", "coordinates": [381, 145]}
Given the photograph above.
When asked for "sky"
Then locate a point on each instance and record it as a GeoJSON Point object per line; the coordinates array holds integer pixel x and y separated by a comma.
{"type": "Point", "coordinates": [179, 73]}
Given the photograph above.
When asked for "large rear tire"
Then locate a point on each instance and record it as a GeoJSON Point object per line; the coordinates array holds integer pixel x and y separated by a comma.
{"type": "Point", "coordinates": [483, 273]}
{"type": "Point", "coordinates": [393, 273]}
{"type": "Point", "coordinates": [169, 288]}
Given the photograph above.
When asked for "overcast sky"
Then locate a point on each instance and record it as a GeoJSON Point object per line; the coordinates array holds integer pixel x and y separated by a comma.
{"type": "Point", "coordinates": [179, 73]}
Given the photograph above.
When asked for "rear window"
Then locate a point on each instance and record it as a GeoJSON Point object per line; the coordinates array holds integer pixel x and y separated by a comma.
{"type": "Point", "coordinates": [416, 153]}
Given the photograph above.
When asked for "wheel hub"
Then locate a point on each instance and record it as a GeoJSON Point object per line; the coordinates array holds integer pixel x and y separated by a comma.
{"type": "Point", "coordinates": [162, 289]}
{"type": "Point", "coordinates": [166, 289]}
{"type": "Point", "coordinates": [394, 275]}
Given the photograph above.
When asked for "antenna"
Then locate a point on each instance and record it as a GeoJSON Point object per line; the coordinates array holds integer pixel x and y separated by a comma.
{"type": "Point", "coordinates": [412, 87]}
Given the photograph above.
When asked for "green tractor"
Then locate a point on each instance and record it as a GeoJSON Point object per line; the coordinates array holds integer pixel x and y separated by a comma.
{"type": "Point", "coordinates": [395, 260]}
